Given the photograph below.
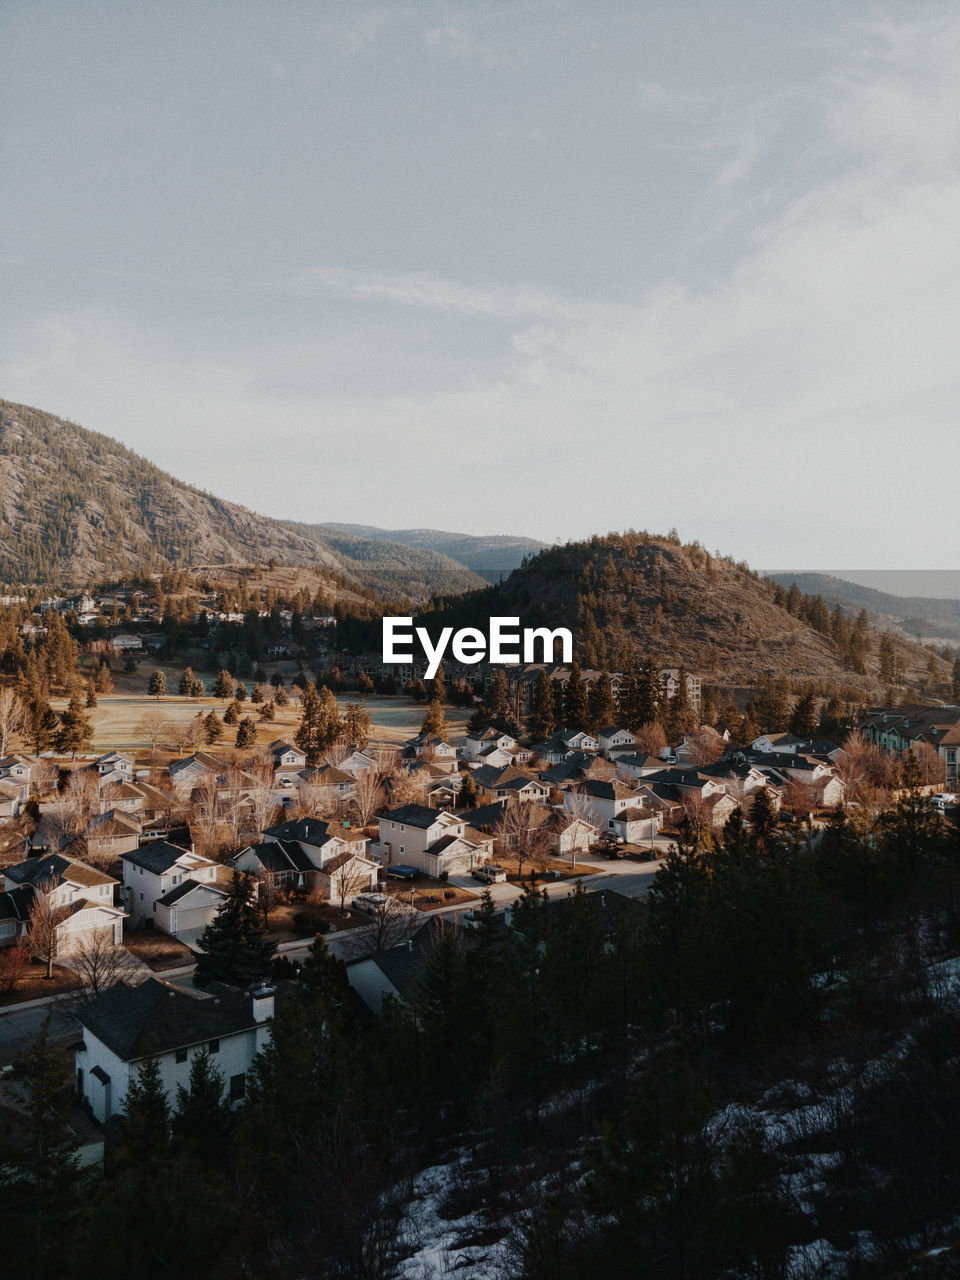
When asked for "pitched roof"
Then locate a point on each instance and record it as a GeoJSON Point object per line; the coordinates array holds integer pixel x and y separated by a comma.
{"type": "Point", "coordinates": [313, 831]}
{"type": "Point", "coordinates": [158, 856]}
{"type": "Point", "coordinates": [57, 868]}
{"type": "Point", "coordinates": [187, 886]}
{"type": "Point", "coordinates": [279, 855]}
{"type": "Point", "coordinates": [155, 1017]}
{"type": "Point", "coordinates": [414, 815]}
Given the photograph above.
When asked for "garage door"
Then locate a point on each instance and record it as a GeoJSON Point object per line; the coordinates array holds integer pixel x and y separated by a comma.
{"type": "Point", "coordinates": [193, 918]}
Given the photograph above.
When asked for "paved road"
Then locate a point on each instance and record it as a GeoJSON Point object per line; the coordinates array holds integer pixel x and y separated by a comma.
{"type": "Point", "coordinates": [18, 1030]}
{"type": "Point", "coordinates": [19, 1027]}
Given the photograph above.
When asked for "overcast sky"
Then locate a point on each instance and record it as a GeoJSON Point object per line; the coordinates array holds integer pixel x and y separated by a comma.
{"type": "Point", "coordinates": [547, 268]}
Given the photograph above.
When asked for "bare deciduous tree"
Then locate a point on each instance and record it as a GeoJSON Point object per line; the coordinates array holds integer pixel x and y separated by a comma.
{"type": "Point", "coordinates": [409, 788]}
{"type": "Point", "coordinates": [393, 922]}
{"type": "Point", "coordinates": [347, 879]}
{"type": "Point", "coordinates": [43, 933]}
{"type": "Point", "coordinates": [13, 718]}
{"type": "Point", "coordinates": [368, 797]}
{"type": "Point", "coordinates": [517, 831]}
{"type": "Point", "coordinates": [651, 738]}
{"type": "Point", "coordinates": [100, 963]}
{"type": "Point", "coordinates": [153, 726]}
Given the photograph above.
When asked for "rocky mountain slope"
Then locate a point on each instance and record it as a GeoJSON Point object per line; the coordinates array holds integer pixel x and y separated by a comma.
{"type": "Point", "coordinates": [76, 506]}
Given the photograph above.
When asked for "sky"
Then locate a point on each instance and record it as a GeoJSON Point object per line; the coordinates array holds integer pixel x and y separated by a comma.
{"type": "Point", "coordinates": [530, 267]}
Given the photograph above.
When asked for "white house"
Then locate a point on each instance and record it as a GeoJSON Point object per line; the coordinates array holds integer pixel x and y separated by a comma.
{"type": "Point", "coordinates": [477, 745]}
{"type": "Point", "coordinates": [84, 895]}
{"type": "Point", "coordinates": [126, 1025]}
{"type": "Point", "coordinates": [614, 738]}
{"type": "Point", "coordinates": [432, 840]}
{"type": "Point", "coordinates": [155, 871]}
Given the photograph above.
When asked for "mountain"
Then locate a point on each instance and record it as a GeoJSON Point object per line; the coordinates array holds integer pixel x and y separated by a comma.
{"type": "Point", "coordinates": [637, 592]}
{"type": "Point", "coordinates": [76, 506]}
{"type": "Point", "coordinates": [935, 618]}
{"type": "Point", "coordinates": [391, 568]}
{"type": "Point", "coordinates": [490, 556]}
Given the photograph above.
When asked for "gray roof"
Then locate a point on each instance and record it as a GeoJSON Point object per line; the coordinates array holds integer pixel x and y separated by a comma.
{"type": "Point", "coordinates": [155, 1017]}
{"type": "Point", "coordinates": [413, 815]}
{"type": "Point", "coordinates": [157, 856]}
{"type": "Point", "coordinates": [312, 831]}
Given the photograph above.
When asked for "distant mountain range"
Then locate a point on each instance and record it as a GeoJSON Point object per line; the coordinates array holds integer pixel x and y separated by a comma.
{"type": "Point", "coordinates": [933, 618]}
{"type": "Point", "coordinates": [492, 556]}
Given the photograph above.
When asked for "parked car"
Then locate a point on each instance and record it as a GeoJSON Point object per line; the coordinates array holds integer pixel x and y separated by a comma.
{"type": "Point", "coordinates": [401, 871]}
{"type": "Point", "coordinates": [489, 873]}
{"type": "Point", "coordinates": [943, 799]}
{"type": "Point", "coordinates": [370, 903]}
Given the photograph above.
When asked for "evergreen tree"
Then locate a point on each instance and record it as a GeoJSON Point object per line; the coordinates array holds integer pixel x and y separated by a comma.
{"type": "Point", "coordinates": [202, 1117]}
{"type": "Point", "coordinates": [91, 699]}
{"type": "Point", "coordinates": [804, 719]}
{"type": "Point", "coordinates": [601, 704]}
{"type": "Point", "coordinates": [158, 684]}
{"type": "Point", "coordinates": [542, 720]}
{"type": "Point", "coordinates": [246, 733]}
{"type": "Point", "coordinates": [467, 799]}
{"type": "Point", "coordinates": [76, 729]}
{"type": "Point", "coordinates": [283, 698]}
{"type": "Point", "coordinates": [232, 946]}
{"type": "Point", "coordinates": [356, 724]}
{"type": "Point", "coordinates": [223, 685]}
{"type": "Point", "coordinates": [576, 711]}
{"type": "Point", "coordinates": [212, 727]}
{"type": "Point", "coordinates": [438, 685]}
{"type": "Point", "coordinates": [146, 1112]}
{"type": "Point", "coordinates": [240, 691]}
{"type": "Point", "coordinates": [185, 688]}
{"type": "Point", "coordinates": [434, 722]}
{"type": "Point", "coordinates": [232, 713]}
{"type": "Point", "coordinates": [320, 725]}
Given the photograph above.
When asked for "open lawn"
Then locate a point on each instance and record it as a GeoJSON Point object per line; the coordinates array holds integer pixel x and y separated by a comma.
{"type": "Point", "coordinates": [34, 984]}
{"type": "Point", "coordinates": [156, 949]}
{"type": "Point", "coordinates": [118, 718]}
{"type": "Point", "coordinates": [562, 867]}
{"type": "Point", "coordinates": [429, 894]}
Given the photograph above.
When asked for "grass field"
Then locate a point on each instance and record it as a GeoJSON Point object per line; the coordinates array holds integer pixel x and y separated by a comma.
{"type": "Point", "coordinates": [118, 716]}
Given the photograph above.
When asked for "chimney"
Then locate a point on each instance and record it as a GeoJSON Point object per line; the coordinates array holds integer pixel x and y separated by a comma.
{"type": "Point", "coordinates": [262, 1003]}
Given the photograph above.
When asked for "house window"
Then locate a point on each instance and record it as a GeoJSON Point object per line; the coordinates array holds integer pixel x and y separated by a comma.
{"type": "Point", "coordinates": [181, 1055]}
{"type": "Point", "coordinates": [238, 1086]}
{"type": "Point", "coordinates": [609, 822]}
{"type": "Point", "coordinates": [402, 849]}
{"type": "Point", "coordinates": [214, 1046]}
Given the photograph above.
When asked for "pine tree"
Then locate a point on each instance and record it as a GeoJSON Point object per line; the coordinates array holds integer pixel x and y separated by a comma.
{"type": "Point", "coordinates": [357, 724]}
{"type": "Point", "coordinates": [542, 720]}
{"type": "Point", "coordinates": [804, 718]}
{"type": "Point", "coordinates": [232, 713]}
{"type": "Point", "coordinates": [434, 722]}
{"type": "Point", "coordinates": [91, 699]}
{"type": "Point", "coordinates": [185, 688]}
{"type": "Point", "coordinates": [202, 1116]}
{"type": "Point", "coordinates": [240, 691]}
{"type": "Point", "coordinates": [257, 695]}
{"type": "Point", "coordinates": [76, 729]}
{"type": "Point", "coordinates": [146, 1112]}
{"type": "Point", "coordinates": [246, 733]}
{"type": "Point", "coordinates": [158, 684]}
{"type": "Point", "coordinates": [232, 948]}
{"type": "Point", "coordinates": [438, 685]}
{"type": "Point", "coordinates": [602, 708]}
{"type": "Point", "coordinates": [224, 685]}
{"type": "Point", "coordinates": [212, 727]}
{"type": "Point", "coordinates": [576, 712]}
{"type": "Point", "coordinates": [283, 698]}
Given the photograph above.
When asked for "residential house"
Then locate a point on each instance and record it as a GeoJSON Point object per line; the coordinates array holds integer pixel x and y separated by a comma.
{"type": "Point", "coordinates": [510, 783]}
{"type": "Point", "coordinates": [898, 730]}
{"type": "Point", "coordinates": [479, 743]}
{"type": "Point", "coordinates": [127, 1025]}
{"type": "Point", "coordinates": [83, 894]}
{"type": "Point", "coordinates": [432, 840]}
{"type": "Point", "coordinates": [158, 876]}
{"type": "Point", "coordinates": [614, 739]}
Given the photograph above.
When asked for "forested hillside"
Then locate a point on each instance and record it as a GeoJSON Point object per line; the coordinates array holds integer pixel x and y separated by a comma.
{"type": "Point", "coordinates": [680, 604]}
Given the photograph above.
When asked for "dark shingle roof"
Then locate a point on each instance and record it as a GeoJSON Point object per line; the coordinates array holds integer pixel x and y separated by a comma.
{"type": "Point", "coordinates": [281, 855]}
{"type": "Point", "coordinates": [158, 856]}
{"type": "Point", "coordinates": [308, 830]}
{"type": "Point", "coordinates": [154, 1017]}
{"type": "Point", "coordinates": [414, 815]}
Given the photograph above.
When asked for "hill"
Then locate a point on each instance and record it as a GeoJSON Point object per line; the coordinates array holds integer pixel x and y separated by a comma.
{"type": "Point", "coordinates": [632, 593]}
{"type": "Point", "coordinates": [490, 556]}
{"type": "Point", "coordinates": [391, 567]}
{"type": "Point", "coordinates": [936, 618]}
{"type": "Point", "coordinates": [76, 506]}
